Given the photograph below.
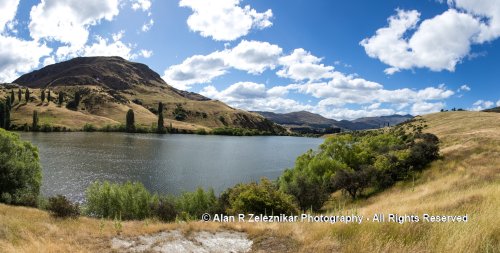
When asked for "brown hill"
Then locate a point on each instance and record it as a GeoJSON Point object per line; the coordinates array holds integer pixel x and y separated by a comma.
{"type": "Point", "coordinates": [110, 86]}
{"type": "Point", "coordinates": [304, 119]}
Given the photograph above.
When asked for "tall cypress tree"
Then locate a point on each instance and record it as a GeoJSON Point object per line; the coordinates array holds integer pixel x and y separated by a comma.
{"type": "Point", "coordinates": [6, 114]}
{"type": "Point", "coordinates": [2, 114]}
{"type": "Point", "coordinates": [130, 126]}
{"type": "Point", "coordinates": [42, 95]}
{"type": "Point", "coordinates": [8, 103]}
{"type": "Point", "coordinates": [27, 95]}
{"type": "Point", "coordinates": [61, 98]}
{"type": "Point", "coordinates": [12, 96]}
{"type": "Point", "coordinates": [49, 96]}
{"type": "Point", "coordinates": [34, 124]}
{"type": "Point", "coordinates": [77, 99]}
{"type": "Point", "coordinates": [19, 95]}
{"type": "Point", "coordinates": [161, 127]}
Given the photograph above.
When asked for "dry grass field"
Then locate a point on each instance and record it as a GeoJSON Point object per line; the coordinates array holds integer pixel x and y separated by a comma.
{"type": "Point", "coordinates": [465, 181]}
{"type": "Point", "coordinates": [100, 109]}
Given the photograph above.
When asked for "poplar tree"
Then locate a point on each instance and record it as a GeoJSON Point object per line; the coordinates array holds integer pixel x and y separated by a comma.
{"type": "Point", "coordinates": [42, 95]}
{"type": "Point", "coordinates": [27, 95]}
{"type": "Point", "coordinates": [161, 127]}
{"type": "Point", "coordinates": [2, 114]}
{"type": "Point", "coordinates": [19, 95]}
{"type": "Point", "coordinates": [6, 113]}
{"type": "Point", "coordinates": [34, 124]}
{"type": "Point", "coordinates": [77, 99]}
{"type": "Point", "coordinates": [49, 96]}
{"type": "Point", "coordinates": [130, 121]}
{"type": "Point", "coordinates": [61, 98]}
{"type": "Point", "coordinates": [12, 96]}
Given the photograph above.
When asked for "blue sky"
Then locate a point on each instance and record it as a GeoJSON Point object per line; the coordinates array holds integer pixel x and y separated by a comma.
{"type": "Point", "coordinates": [341, 59]}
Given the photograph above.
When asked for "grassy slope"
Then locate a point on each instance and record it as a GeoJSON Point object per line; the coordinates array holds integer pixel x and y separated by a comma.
{"type": "Point", "coordinates": [111, 113]}
{"type": "Point", "coordinates": [467, 180]}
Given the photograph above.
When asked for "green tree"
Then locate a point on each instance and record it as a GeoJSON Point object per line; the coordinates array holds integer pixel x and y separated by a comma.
{"type": "Point", "coordinates": [19, 95]}
{"type": "Point", "coordinates": [34, 124]}
{"type": "Point", "coordinates": [2, 115]}
{"type": "Point", "coordinates": [179, 113]}
{"type": "Point", "coordinates": [193, 204]}
{"type": "Point", "coordinates": [27, 95]}
{"type": "Point", "coordinates": [61, 98]}
{"type": "Point", "coordinates": [77, 98]}
{"type": "Point", "coordinates": [257, 198]}
{"type": "Point", "coordinates": [130, 121]}
{"type": "Point", "coordinates": [12, 96]}
{"type": "Point", "coordinates": [49, 97]}
{"type": "Point", "coordinates": [42, 95]}
{"type": "Point", "coordinates": [111, 200]}
{"type": "Point", "coordinates": [20, 170]}
{"type": "Point", "coordinates": [161, 127]}
{"type": "Point", "coordinates": [6, 116]}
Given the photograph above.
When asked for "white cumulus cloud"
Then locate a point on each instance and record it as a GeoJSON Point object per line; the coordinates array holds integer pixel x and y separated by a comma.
{"type": "Point", "coordinates": [144, 5]}
{"type": "Point", "coordinates": [224, 19]}
{"type": "Point", "coordinates": [438, 43]}
{"type": "Point", "coordinates": [196, 69]}
{"type": "Point", "coordinates": [8, 10]}
{"type": "Point", "coordinates": [480, 105]}
{"type": "Point", "coordinates": [68, 21]}
{"type": "Point", "coordinates": [302, 65]}
{"type": "Point", "coordinates": [19, 56]}
{"type": "Point", "coordinates": [253, 57]}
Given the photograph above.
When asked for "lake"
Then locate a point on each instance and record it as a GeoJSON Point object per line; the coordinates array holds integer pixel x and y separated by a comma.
{"type": "Point", "coordinates": [168, 164]}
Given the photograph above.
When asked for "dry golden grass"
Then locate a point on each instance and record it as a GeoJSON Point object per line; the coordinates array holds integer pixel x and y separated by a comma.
{"type": "Point", "coordinates": [113, 113]}
{"type": "Point", "coordinates": [465, 181]}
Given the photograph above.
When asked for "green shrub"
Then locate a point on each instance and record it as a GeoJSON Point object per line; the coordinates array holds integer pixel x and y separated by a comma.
{"type": "Point", "coordinates": [110, 200]}
{"type": "Point", "coordinates": [257, 198]}
{"type": "Point", "coordinates": [201, 131]}
{"type": "Point", "coordinates": [357, 161]}
{"type": "Point", "coordinates": [46, 128]}
{"type": "Point", "coordinates": [20, 170]}
{"type": "Point", "coordinates": [89, 128]}
{"type": "Point", "coordinates": [192, 205]}
{"type": "Point", "coordinates": [164, 209]}
{"type": "Point", "coordinates": [61, 207]}
{"type": "Point", "coordinates": [179, 113]}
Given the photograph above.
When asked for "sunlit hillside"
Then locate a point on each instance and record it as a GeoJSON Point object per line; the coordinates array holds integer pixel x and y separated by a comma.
{"type": "Point", "coordinates": [465, 181]}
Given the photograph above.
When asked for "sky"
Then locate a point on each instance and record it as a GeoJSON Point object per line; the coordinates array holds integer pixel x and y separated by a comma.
{"type": "Point", "coordinates": [340, 59]}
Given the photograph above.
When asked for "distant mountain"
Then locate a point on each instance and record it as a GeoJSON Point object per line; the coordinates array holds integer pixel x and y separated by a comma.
{"type": "Point", "coordinates": [302, 120]}
{"type": "Point", "coordinates": [109, 87]}
{"type": "Point", "coordinates": [495, 109]}
{"type": "Point", "coordinates": [377, 122]}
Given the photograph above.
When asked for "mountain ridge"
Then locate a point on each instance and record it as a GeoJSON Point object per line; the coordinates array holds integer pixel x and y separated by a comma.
{"type": "Point", "coordinates": [110, 86]}
{"type": "Point", "coordinates": [305, 119]}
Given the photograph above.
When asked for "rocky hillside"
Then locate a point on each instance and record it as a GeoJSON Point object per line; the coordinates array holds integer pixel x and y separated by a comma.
{"type": "Point", "coordinates": [109, 87]}
{"type": "Point", "coordinates": [303, 120]}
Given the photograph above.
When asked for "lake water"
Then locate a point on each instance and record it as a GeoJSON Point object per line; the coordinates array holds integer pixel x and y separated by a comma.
{"type": "Point", "coordinates": [168, 164]}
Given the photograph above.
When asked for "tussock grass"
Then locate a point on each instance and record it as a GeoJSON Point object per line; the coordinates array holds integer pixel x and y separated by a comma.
{"type": "Point", "coordinates": [465, 181]}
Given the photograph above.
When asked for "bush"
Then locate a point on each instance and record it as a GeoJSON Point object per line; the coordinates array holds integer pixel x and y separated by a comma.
{"type": "Point", "coordinates": [357, 161]}
{"type": "Point", "coordinates": [128, 201]}
{"type": "Point", "coordinates": [89, 128]}
{"type": "Point", "coordinates": [257, 198]}
{"type": "Point", "coordinates": [353, 182]}
{"type": "Point", "coordinates": [179, 113]}
{"type": "Point", "coordinates": [20, 170]}
{"type": "Point", "coordinates": [61, 207]}
{"type": "Point", "coordinates": [165, 209]}
{"type": "Point", "coordinates": [192, 205]}
{"type": "Point", "coordinates": [201, 131]}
